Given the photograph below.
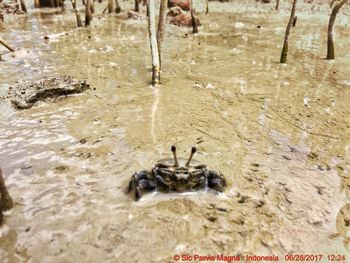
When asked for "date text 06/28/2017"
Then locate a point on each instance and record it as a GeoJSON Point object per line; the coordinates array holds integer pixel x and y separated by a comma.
{"type": "Point", "coordinates": [265, 258]}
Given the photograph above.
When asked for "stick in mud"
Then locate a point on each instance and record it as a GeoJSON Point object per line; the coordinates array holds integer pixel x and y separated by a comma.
{"type": "Point", "coordinates": [206, 6]}
{"type": "Point", "coordinates": [286, 37]}
{"type": "Point", "coordinates": [117, 8]}
{"type": "Point", "coordinates": [160, 31]}
{"type": "Point", "coordinates": [110, 6]}
{"type": "Point", "coordinates": [137, 8]}
{"type": "Point", "coordinates": [2, 42]}
{"type": "Point", "coordinates": [88, 15]}
{"type": "Point", "coordinates": [194, 20]}
{"type": "Point", "coordinates": [92, 6]}
{"type": "Point", "coordinates": [77, 14]}
{"type": "Point", "coordinates": [295, 21]}
{"type": "Point", "coordinates": [330, 42]}
{"type": "Point", "coordinates": [23, 6]}
{"type": "Point", "coordinates": [6, 202]}
{"type": "Point", "coordinates": [153, 41]}
{"type": "Point", "coordinates": [277, 4]}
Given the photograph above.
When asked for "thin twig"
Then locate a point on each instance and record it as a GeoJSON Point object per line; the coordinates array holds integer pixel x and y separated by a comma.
{"type": "Point", "coordinates": [6, 45]}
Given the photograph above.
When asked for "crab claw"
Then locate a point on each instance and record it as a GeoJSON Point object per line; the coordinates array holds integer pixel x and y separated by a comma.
{"type": "Point", "coordinates": [216, 181]}
{"type": "Point", "coordinates": [141, 181]}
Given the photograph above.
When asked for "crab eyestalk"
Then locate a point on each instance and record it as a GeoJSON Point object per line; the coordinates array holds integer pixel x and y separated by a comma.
{"type": "Point", "coordinates": [173, 149]}
{"type": "Point", "coordinates": [192, 153]}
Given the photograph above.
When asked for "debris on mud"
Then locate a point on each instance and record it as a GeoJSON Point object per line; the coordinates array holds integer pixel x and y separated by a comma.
{"type": "Point", "coordinates": [25, 95]}
{"type": "Point", "coordinates": [6, 202]}
{"type": "Point", "coordinates": [135, 15]}
{"type": "Point", "coordinates": [178, 17]}
{"type": "Point", "coordinates": [9, 7]}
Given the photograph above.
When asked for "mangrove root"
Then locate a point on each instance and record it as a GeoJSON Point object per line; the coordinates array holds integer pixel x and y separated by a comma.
{"type": "Point", "coordinates": [110, 6]}
{"type": "Point", "coordinates": [77, 14]}
{"type": "Point", "coordinates": [153, 41]}
{"type": "Point", "coordinates": [194, 20]}
{"type": "Point", "coordinates": [23, 6]}
{"type": "Point", "coordinates": [88, 14]}
{"type": "Point", "coordinates": [284, 52]}
{"type": "Point", "coordinates": [160, 31]}
{"type": "Point", "coordinates": [6, 202]}
{"type": "Point", "coordinates": [117, 7]}
{"type": "Point", "coordinates": [330, 43]}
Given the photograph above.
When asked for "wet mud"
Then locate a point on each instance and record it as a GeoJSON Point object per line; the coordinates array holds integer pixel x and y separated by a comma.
{"type": "Point", "coordinates": [279, 134]}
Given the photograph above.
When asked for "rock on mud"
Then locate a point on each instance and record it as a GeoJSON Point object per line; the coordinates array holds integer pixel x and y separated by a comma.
{"type": "Point", "coordinates": [25, 95]}
{"type": "Point", "coordinates": [183, 4]}
{"type": "Point", "coordinates": [178, 17]}
{"type": "Point", "coordinates": [6, 202]}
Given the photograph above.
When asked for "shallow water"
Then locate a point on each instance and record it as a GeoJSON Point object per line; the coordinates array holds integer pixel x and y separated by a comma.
{"type": "Point", "coordinates": [279, 133]}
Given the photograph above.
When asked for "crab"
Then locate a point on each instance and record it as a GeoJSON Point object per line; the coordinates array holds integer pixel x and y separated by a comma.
{"type": "Point", "coordinates": [176, 174]}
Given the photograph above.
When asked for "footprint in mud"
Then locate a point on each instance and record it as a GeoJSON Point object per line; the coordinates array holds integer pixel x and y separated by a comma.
{"type": "Point", "coordinates": [214, 212]}
{"type": "Point", "coordinates": [8, 243]}
{"type": "Point", "coordinates": [343, 225]}
{"type": "Point", "coordinates": [61, 168]}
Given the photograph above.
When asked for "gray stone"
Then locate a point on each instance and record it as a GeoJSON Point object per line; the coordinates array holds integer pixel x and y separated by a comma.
{"type": "Point", "coordinates": [25, 95]}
